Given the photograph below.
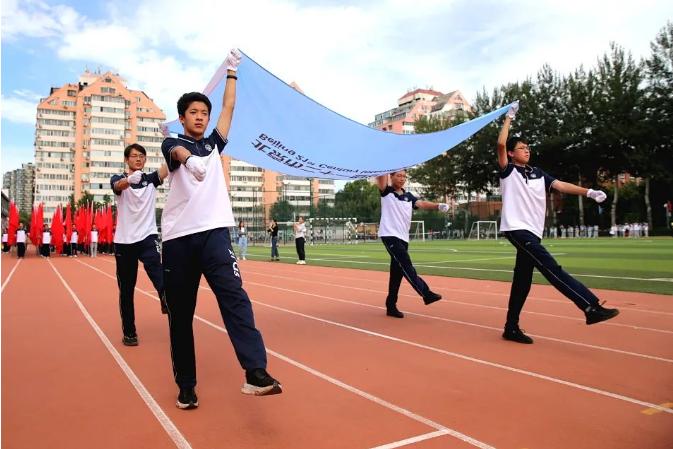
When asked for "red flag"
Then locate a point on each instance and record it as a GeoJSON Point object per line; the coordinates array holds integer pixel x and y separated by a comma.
{"type": "Point", "coordinates": [13, 223]}
{"type": "Point", "coordinates": [57, 230]}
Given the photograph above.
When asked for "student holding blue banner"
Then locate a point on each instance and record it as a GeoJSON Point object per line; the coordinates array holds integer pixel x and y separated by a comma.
{"type": "Point", "coordinates": [524, 200]}
{"type": "Point", "coordinates": [196, 241]}
{"type": "Point", "coordinates": [396, 210]}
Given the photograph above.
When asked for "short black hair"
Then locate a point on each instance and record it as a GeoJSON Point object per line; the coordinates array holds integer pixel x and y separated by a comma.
{"type": "Point", "coordinates": [134, 146]}
{"type": "Point", "coordinates": [512, 141]}
{"type": "Point", "coordinates": [189, 98]}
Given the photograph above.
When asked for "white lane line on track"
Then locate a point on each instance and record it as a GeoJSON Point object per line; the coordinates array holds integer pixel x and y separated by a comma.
{"type": "Point", "coordinates": [484, 306]}
{"type": "Point", "coordinates": [412, 440]}
{"type": "Point", "coordinates": [168, 425]}
{"type": "Point", "coordinates": [336, 382]}
{"type": "Point", "coordinates": [466, 323]}
{"type": "Point", "coordinates": [473, 359]}
{"type": "Point", "coordinates": [11, 273]}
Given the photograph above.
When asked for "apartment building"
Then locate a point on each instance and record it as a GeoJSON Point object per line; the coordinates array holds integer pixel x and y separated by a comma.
{"type": "Point", "coordinates": [18, 185]}
{"type": "Point", "coordinates": [80, 134]}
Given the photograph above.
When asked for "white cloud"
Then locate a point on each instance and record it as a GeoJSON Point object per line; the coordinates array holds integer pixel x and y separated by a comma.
{"type": "Point", "coordinates": [34, 18]}
{"type": "Point", "coordinates": [19, 110]}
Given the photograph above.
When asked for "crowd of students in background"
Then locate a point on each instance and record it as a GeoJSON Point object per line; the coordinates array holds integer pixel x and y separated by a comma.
{"type": "Point", "coordinates": [71, 247]}
{"type": "Point", "coordinates": [633, 230]}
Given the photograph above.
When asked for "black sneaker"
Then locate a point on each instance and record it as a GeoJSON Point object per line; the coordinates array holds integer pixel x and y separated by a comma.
{"type": "Point", "coordinates": [187, 399]}
{"type": "Point", "coordinates": [517, 335]}
{"type": "Point", "coordinates": [130, 341]}
{"type": "Point", "coordinates": [394, 313]}
{"type": "Point", "coordinates": [597, 313]}
{"type": "Point", "coordinates": [431, 297]}
{"type": "Point", "coordinates": [259, 383]}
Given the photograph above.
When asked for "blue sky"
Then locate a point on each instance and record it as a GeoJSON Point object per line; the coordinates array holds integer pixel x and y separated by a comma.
{"type": "Point", "coordinates": [355, 57]}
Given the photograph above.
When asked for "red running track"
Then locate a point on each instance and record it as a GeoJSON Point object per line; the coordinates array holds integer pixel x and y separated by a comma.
{"type": "Point", "coordinates": [439, 378]}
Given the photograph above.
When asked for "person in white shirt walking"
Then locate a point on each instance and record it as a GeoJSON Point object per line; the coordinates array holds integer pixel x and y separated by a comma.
{"type": "Point", "coordinates": [45, 247]}
{"type": "Point", "coordinates": [21, 241]}
{"type": "Point", "coordinates": [396, 210]}
{"type": "Point", "coordinates": [5, 241]}
{"type": "Point", "coordinates": [73, 243]}
{"type": "Point", "coordinates": [300, 240]}
{"type": "Point", "coordinates": [196, 241]}
{"type": "Point", "coordinates": [136, 236]}
{"type": "Point", "coordinates": [524, 199]}
{"type": "Point", "coordinates": [242, 240]}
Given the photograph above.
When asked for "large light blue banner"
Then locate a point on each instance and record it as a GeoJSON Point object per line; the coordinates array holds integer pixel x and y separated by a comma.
{"type": "Point", "coordinates": [281, 129]}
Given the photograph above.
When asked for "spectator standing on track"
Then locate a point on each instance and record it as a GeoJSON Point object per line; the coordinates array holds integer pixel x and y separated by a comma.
{"type": "Point", "coordinates": [136, 236]}
{"type": "Point", "coordinates": [196, 241]}
{"type": "Point", "coordinates": [73, 243]}
{"type": "Point", "coordinates": [396, 210]}
{"type": "Point", "coordinates": [524, 195]}
{"type": "Point", "coordinates": [20, 241]}
{"type": "Point", "coordinates": [273, 232]}
{"type": "Point", "coordinates": [300, 240]}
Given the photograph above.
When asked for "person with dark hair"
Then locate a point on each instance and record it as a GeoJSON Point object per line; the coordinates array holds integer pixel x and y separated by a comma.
{"type": "Point", "coordinates": [396, 209]}
{"type": "Point", "coordinates": [524, 200]}
{"type": "Point", "coordinates": [196, 241]}
{"type": "Point", "coordinates": [45, 247]}
{"type": "Point", "coordinates": [273, 232]}
{"type": "Point", "coordinates": [5, 241]}
{"type": "Point", "coordinates": [136, 236]}
{"type": "Point", "coordinates": [242, 240]}
{"type": "Point", "coordinates": [74, 240]}
{"type": "Point", "coordinates": [21, 241]}
{"type": "Point", "coordinates": [300, 240]}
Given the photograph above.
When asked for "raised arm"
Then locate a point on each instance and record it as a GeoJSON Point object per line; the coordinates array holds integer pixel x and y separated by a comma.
{"type": "Point", "coordinates": [382, 182]}
{"type": "Point", "coordinates": [163, 172]}
{"type": "Point", "coordinates": [504, 133]}
{"type": "Point", "coordinates": [229, 98]}
{"type": "Point", "coordinates": [429, 205]}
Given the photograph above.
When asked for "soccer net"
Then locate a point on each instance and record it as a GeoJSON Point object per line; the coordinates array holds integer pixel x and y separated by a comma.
{"type": "Point", "coordinates": [417, 230]}
{"type": "Point", "coordinates": [484, 230]}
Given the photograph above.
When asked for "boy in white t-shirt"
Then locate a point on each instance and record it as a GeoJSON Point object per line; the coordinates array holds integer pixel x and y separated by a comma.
{"type": "Point", "coordinates": [524, 198]}
{"type": "Point", "coordinates": [21, 241]}
{"type": "Point", "coordinates": [93, 247]}
{"type": "Point", "coordinates": [73, 243]}
{"type": "Point", "coordinates": [136, 236]}
{"type": "Point", "coordinates": [45, 247]}
{"type": "Point", "coordinates": [5, 241]}
{"type": "Point", "coordinates": [196, 241]}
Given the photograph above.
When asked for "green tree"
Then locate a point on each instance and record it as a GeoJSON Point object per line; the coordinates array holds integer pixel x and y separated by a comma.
{"type": "Point", "coordinates": [359, 199]}
{"type": "Point", "coordinates": [282, 210]}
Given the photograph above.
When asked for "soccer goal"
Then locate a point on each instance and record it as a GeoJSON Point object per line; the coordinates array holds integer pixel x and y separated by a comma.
{"type": "Point", "coordinates": [484, 230]}
{"type": "Point", "coordinates": [417, 230]}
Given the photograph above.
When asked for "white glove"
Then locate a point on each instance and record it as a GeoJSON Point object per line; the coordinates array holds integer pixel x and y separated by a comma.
{"type": "Point", "coordinates": [443, 207]}
{"type": "Point", "coordinates": [135, 177]}
{"type": "Point", "coordinates": [233, 59]}
{"type": "Point", "coordinates": [196, 167]}
{"type": "Point", "coordinates": [597, 195]}
{"type": "Point", "coordinates": [511, 113]}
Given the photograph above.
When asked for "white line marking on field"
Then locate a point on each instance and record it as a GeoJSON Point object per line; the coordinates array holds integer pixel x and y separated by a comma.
{"type": "Point", "coordinates": [10, 276]}
{"type": "Point", "coordinates": [469, 304]}
{"type": "Point", "coordinates": [412, 440]}
{"type": "Point", "coordinates": [465, 323]}
{"type": "Point", "coordinates": [168, 425]}
{"type": "Point", "coordinates": [336, 382]}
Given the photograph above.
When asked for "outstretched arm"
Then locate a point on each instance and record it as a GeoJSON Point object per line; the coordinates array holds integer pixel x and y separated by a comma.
{"type": "Point", "coordinates": [429, 205]}
{"type": "Point", "coordinates": [565, 187]}
{"type": "Point", "coordinates": [504, 133]}
{"type": "Point", "coordinates": [229, 98]}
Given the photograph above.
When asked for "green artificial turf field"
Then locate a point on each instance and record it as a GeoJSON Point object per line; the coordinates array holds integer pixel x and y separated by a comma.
{"type": "Point", "coordinates": [642, 265]}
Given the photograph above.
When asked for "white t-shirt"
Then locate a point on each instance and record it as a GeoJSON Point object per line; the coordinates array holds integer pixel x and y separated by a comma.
{"type": "Point", "coordinates": [5, 238]}
{"type": "Point", "coordinates": [20, 236]}
{"type": "Point", "coordinates": [73, 237]}
{"type": "Point", "coordinates": [46, 238]}
{"type": "Point", "coordinates": [524, 198]}
{"type": "Point", "coordinates": [136, 216]}
{"type": "Point", "coordinates": [396, 210]}
{"type": "Point", "coordinates": [300, 232]}
{"type": "Point", "coordinates": [94, 236]}
{"type": "Point", "coordinates": [196, 206]}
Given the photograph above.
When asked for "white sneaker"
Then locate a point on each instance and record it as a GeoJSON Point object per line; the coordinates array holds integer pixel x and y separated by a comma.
{"type": "Point", "coordinates": [299, 262]}
{"type": "Point", "coordinates": [302, 262]}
